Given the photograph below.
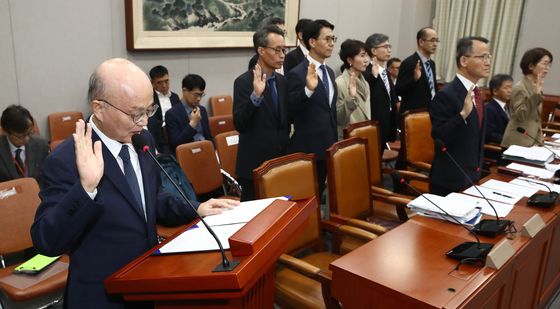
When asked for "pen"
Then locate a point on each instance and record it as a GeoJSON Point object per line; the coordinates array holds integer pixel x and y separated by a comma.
{"type": "Point", "coordinates": [501, 194]}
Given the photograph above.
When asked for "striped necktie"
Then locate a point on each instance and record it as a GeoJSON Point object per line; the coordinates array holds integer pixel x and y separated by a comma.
{"type": "Point", "coordinates": [430, 76]}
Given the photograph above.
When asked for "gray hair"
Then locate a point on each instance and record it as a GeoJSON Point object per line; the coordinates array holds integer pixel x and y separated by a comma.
{"type": "Point", "coordinates": [96, 87]}
{"type": "Point", "coordinates": [260, 38]}
{"type": "Point", "coordinates": [374, 40]}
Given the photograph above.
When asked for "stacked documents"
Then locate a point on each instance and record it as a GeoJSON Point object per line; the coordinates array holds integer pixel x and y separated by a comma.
{"type": "Point", "coordinates": [532, 155]}
{"type": "Point", "coordinates": [462, 210]}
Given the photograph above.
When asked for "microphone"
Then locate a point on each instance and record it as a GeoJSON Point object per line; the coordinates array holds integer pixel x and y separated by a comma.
{"type": "Point", "coordinates": [140, 143]}
{"type": "Point", "coordinates": [542, 200]}
{"type": "Point", "coordinates": [524, 132]}
{"type": "Point", "coordinates": [466, 250]}
{"type": "Point", "coordinates": [489, 228]}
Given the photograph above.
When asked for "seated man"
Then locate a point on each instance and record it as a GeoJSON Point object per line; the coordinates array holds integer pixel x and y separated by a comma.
{"type": "Point", "coordinates": [188, 122]}
{"type": "Point", "coordinates": [497, 109]}
{"type": "Point", "coordinates": [21, 152]}
{"type": "Point", "coordinates": [164, 99]}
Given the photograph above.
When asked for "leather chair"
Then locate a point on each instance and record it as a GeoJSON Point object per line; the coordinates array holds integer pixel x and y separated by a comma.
{"type": "Point", "coordinates": [226, 146]}
{"type": "Point", "coordinates": [19, 200]}
{"type": "Point", "coordinates": [221, 105]}
{"type": "Point", "coordinates": [417, 145]}
{"type": "Point", "coordinates": [301, 282]}
{"type": "Point", "coordinates": [220, 124]}
{"type": "Point", "coordinates": [199, 162]}
{"type": "Point", "coordinates": [62, 125]}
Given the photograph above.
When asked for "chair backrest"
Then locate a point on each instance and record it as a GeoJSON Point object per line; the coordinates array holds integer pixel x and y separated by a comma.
{"type": "Point", "coordinates": [294, 175]}
{"type": "Point", "coordinates": [221, 105]}
{"type": "Point", "coordinates": [370, 131]}
{"type": "Point", "coordinates": [226, 146]}
{"type": "Point", "coordinates": [220, 124]}
{"type": "Point", "coordinates": [348, 178]}
{"type": "Point", "coordinates": [19, 200]}
{"type": "Point", "coordinates": [418, 142]}
{"type": "Point", "coordinates": [199, 162]}
{"type": "Point", "coordinates": [63, 124]}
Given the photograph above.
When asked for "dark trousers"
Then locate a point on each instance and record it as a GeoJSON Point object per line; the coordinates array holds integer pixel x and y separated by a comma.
{"type": "Point", "coordinates": [321, 177]}
{"type": "Point", "coordinates": [248, 193]}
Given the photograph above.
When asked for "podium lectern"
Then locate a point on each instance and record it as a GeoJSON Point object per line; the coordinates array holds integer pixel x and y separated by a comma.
{"type": "Point", "coordinates": [186, 279]}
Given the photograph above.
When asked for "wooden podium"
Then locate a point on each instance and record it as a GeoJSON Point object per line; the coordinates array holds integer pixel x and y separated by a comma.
{"type": "Point", "coordinates": [186, 279]}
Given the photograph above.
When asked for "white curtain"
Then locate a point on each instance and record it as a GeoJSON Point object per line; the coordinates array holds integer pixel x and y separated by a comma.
{"type": "Point", "coordinates": [496, 20]}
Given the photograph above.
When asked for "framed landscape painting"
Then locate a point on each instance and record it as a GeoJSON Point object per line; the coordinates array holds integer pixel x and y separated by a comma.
{"type": "Point", "coordinates": [200, 24]}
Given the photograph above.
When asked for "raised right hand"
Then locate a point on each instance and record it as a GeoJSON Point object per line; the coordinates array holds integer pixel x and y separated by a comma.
{"type": "Point", "coordinates": [259, 80]}
{"type": "Point", "coordinates": [468, 104]}
{"type": "Point", "coordinates": [539, 84]}
{"type": "Point", "coordinates": [352, 84]}
{"type": "Point", "coordinates": [89, 160]}
{"type": "Point", "coordinates": [374, 67]}
{"type": "Point", "coordinates": [311, 79]}
{"type": "Point", "coordinates": [417, 71]}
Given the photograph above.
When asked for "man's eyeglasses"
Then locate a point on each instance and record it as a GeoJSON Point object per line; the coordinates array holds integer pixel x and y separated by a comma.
{"type": "Point", "coordinates": [485, 57]}
{"type": "Point", "coordinates": [22, 136]}
{"type": "Point", "coordinates": [197, 95]}
{"type": "Point", "coordinates": [387, 46]}
{"type": "Point", "coordinates": [278, 50]}
{"type": "Point", "coordinates": [136, 118]}
{"type": "Point", "coordinates": [330, 39]}
{"type": "Point", "coordinates": [433, 40]}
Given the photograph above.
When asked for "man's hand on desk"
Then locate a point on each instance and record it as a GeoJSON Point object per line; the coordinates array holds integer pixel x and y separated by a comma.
{"type": "Point", "coordinates": [216, 206]}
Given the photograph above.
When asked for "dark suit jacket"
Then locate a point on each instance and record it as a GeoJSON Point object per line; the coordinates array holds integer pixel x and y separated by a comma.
{"type": "Point", "coordinates": [463, 139]}
{"type": "Point", "coordinates": [264, 133]}
{"type": "Point", "coordinates": [104, 234]}
{"type": "Point", "coordinates": [414, 94]}
{"type": "Point", "coordinates": [314, 117]}
{"type": "Point", "coordinates": [496, 122]}
{"type": "Point", "coordinates": [178, 129]}
{"type": "Point", "coordinates": [155, 122]}
{"type": "Point", "coordinates": [383, 106]}
{"type": "Point", "coordinates": [292, 59]}
{"type": "Point", "coordinates": [36, 150]}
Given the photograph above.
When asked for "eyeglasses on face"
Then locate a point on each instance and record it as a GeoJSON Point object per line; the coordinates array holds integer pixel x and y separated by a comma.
{"type": "Point", "coordinates": [484, 57]}
{"type": "Point", "coordinates": [387, 46]}
{"type": "Point", "coordinates": [278, 50]}
{"type": "Point", "coordinates": [136, 118]}
{"type": "Point", "coordinates": [433, 40]}
{"type": "Point", "coordinates": [330, 39]}
{"type": "Point", "coordinates": [22, 136]}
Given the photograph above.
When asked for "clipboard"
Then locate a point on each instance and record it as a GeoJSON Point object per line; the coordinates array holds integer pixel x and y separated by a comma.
{"type": "Point", "coordinates": [35, 265]}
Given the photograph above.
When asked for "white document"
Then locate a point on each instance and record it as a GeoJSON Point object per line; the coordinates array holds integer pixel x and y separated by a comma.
{"type": "Point", "coordinates": [502, 209]}
{"type": "Point", "coordinates": [531, 170]}
{"type": "Point", "coordinates": [494, 195]}
{"type": "Point", "coordinates": [536, 184]}
{"type": "Point", "coordinates": [243, 213]}
{"type": "Point", "coordinates": [535, 153]}
{"type": "Point", "coordinates": [459, 209]}
{"type": "Point", "coordinates": [197, 238]}
{"type": "Point", "coordinates": [512, 188]}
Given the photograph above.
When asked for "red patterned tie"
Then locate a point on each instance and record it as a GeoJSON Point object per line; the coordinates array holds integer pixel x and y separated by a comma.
{"type": "Point", "coordinates": [479, 106]}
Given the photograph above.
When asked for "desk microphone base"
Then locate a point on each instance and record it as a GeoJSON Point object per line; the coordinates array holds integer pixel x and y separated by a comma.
{"type": "Point", "coordinates": [491, 228]}
{"type": "Point", "coordinates": [543, 200]}
{"type": "Point", "coordinates": [470, 250]}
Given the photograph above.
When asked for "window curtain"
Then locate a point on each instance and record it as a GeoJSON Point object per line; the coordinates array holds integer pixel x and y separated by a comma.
{"type": "Point", "coordinates": [496, 20]}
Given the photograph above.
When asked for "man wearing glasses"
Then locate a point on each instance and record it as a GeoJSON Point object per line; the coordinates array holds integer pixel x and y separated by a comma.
{"type": "Point", "coordinates": [101, 198]}
{"type": "Point", "coordinates": [188, 122]}
{"type": "Point", "coordinates": [416, 84]}
{"type": "Point", "coordinates": [259, 110]}
{"type": "Point", "coordinates": [312, 96]}
{"type": "Point", "coordinates": [458, 120]}
{"type": "Point", "coordinates": [21, 152]}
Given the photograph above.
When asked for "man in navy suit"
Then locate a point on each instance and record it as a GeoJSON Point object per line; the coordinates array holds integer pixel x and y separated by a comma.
{"type": "Point", "coordinates": [457, 115]}
{"type": "Point", "coordinates": [188, 122]}
{"type": "Point", "coordinates": [101, 198]}
{"type": "Point", "coordinates": [383, 100]}
{"type": "Point", "coordinates": [164, 99]}
{"type": "Point", "coordinates": [312, 98]}
{"type": "Point", "coordinates": [496, 110]}
{"type": "Point", "coordinates": [299, 54]}
{"type": "Point", "coordinates": [416, 83]}
{"type": "Point", "coordinates": [259, 110]}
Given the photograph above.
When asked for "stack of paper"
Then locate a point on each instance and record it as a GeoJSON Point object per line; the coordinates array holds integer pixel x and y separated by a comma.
{"type": "Point", "coordinates": [533, 155]}
{"type": "Point", "coordinates": [531, 170]}
{"type": "Point", "coordinates": [536, 184]}
{"type": "Point", "coordinates": [461, 210]}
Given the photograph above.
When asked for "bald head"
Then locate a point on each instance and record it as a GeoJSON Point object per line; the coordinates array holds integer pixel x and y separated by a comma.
{"type": "Point", "coordinates": [118, 89]}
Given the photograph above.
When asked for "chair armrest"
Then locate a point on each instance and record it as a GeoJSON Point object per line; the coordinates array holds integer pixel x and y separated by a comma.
{"type": "Point", "coordinates": [411, 175]}
{"type": "Point", "coordinates": [550, 131]}
{"type": "Point", "coordinates": [420, 165]}
{"type": "Point", "coordinates": [493, 147]}
{"type": "Point", "coordinates": [361, 224]}
{"type": "Point", "coordinates": [231, 181]}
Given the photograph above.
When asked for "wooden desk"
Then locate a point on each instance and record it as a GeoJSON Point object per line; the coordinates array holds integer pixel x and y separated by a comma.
{"type": "Point", "coordinates": [407, 268]}
{"type": "Point", "coordinates": [187, 280]}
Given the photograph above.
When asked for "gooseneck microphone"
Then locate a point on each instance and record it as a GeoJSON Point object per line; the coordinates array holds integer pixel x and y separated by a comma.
{"type": "Point", "coordinates": [489, 228]}
{"type": "Point", "coordinates": [466, 250]}
{"type": "Point", "coordinates": [140, 143]}
{"type": "Point", "coordinates": [542, 200]}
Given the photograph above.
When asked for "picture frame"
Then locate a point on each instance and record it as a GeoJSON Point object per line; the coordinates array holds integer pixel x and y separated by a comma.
{"type": "Point", "coordinates": [202, 24]}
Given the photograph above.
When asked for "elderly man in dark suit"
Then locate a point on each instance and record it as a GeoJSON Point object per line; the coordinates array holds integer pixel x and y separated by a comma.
{"type": "Point", "coordinates": [101, 198]}
{"type": "Point", "coordinates": [259, 110]}
{"type": "Point", "coordinates": [165, 99]}
{"type": "Point", "coordinates": [416, 83]}
{"type": "Point", "coordinates": [312, 96]}
{"type": "Point", "coordinates": [497, 110]}
{"type": "Point", "coordinates": [21, 152]}
{"type": "Point", "coordinates": [457, 115]}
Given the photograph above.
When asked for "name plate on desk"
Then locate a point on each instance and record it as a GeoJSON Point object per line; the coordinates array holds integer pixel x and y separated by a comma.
{"type": "Point", "coordinates": [532, 226]}
{"type": "Point", "coordinates": [500, 254]}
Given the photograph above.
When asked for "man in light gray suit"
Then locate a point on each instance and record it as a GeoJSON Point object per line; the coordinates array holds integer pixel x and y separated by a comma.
{"type": "Point", "coordinates": [21, 152]}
